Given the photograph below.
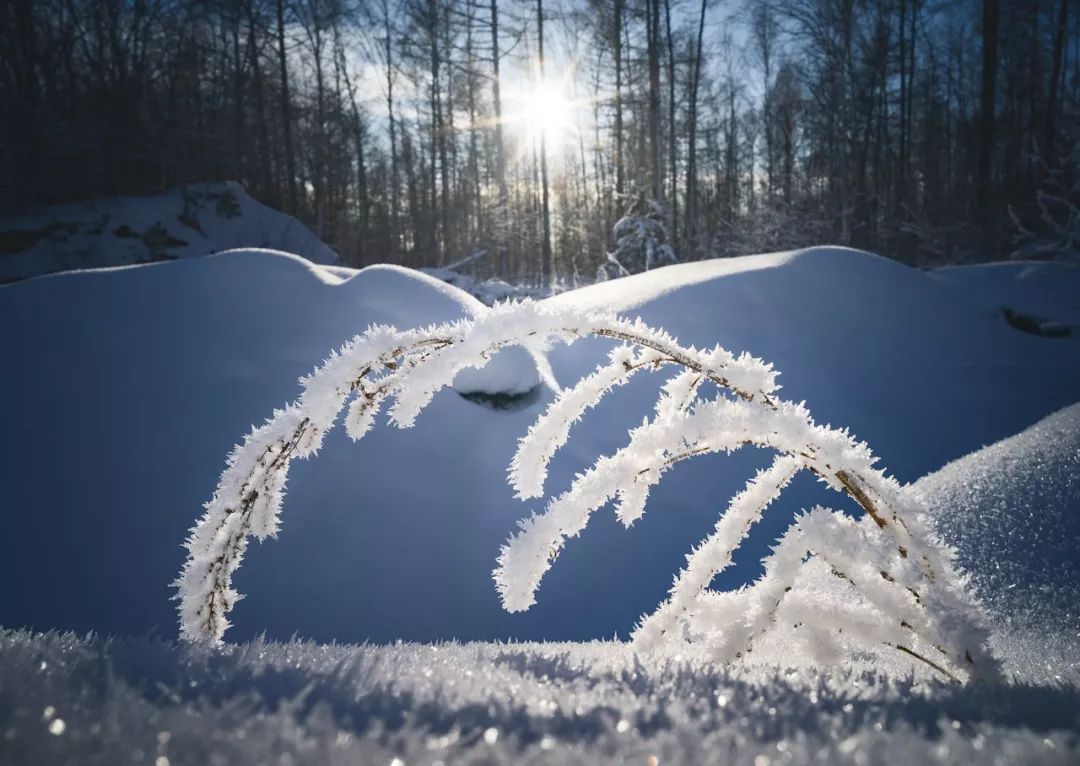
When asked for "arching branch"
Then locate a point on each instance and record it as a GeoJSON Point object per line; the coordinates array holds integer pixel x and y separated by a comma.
{"type": "Point", "coordinates": [407, 368]}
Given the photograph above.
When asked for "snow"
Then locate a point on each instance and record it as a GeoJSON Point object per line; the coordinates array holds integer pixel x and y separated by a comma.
{"type": "Point", "coordinates": [135, 383]}
{"type": "Point", "coordinates": [891, 352]}
{"type": "Point", "coordinates": [127, 387]}
{"type": "Point", "coordinates": [187, 222]}
{"type": "Point", "coordinates": [1012, 511]}
{"type": "Point", "coordinates": [99, 700]}
{"type": "Point", "coordinates": [141, 700]}
{"type": "Point", "coordinates": [487, 291]}
{"type": "Point", "coordinates": [1043, 289]}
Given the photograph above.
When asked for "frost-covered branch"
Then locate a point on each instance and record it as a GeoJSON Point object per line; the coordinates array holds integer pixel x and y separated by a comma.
{"type": "Point", "coordinates": [714, 555]}
{"type": "Point", "coordinates": [915, 600]}
{"type": "Point", "coordinates": [895, 612]}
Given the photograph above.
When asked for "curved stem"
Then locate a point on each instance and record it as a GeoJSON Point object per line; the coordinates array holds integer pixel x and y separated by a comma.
{"type": "Point", "coordinates": [205, 589]}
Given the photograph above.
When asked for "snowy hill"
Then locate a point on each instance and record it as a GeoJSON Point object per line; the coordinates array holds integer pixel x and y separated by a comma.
{"type": "Point", "coordinates": [190, 221]}
{"type": "Point", "coordinates": [132, 385]}
{"type": "Point", "coordinates": [1012, 511]}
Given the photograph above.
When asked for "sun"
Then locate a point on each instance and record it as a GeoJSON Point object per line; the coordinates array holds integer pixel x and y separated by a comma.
{"type": "Point", "coordinates": [548, 111]}
{"type": "Point", "coordinates": [543, 110]}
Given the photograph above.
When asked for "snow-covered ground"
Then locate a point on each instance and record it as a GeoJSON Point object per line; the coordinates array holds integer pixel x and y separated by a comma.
{"type": "Point", "coordinates": [106, 701]}
{"type": "Point", "coordinates": [133, 384]}
{"type": "Point", "coordinates": [187, 222]}
{"type": "Point", "coordinates": [128, 387]}
{"type": "Point", "coordinates": [1044, 290]}
{"type": "Point", "coordinates": [64, 699]}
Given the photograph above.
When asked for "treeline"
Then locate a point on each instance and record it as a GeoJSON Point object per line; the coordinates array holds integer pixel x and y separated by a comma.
{"type": "Point", "coordinates": [908, 127]}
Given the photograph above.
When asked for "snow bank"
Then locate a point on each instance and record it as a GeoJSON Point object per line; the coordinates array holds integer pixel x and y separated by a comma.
{"type": "Point", "coordinates": [131, 386]}
{"type": "Point", "coordinates": [1012, 510]}
{"type": "Point", "coordinates": [1046, 290]}
{"type": "Point", "coordinates": [187, 222]}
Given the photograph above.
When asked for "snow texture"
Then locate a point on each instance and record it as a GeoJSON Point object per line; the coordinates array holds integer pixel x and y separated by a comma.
{"type": "Point", "coordinates": [1012, 511]}
{"type": "Point", "coordinates": [66, 699]}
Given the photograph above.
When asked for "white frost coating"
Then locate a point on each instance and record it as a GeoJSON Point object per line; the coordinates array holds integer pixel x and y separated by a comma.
{"type": "Point", "coordinates": [714, 555]}
{"type": "Point", "coordinates": [528, 469]}
{"type": "Point", "coordinates": [892, 591]}
{"type": "Point", "coordinates": [679, 392]}
{"type": "Point", "coordinates": [532, 325]}
{"type": "Point", "coordinates": [889, 557]}
{"type": "Point", "coordinates": [672, 435]}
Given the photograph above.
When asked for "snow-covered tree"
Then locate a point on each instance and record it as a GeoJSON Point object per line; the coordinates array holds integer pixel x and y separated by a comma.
{"type": "Point", "coordinates": [640, 241]}
{"type": "Point", "coordinates": [1052, 230]}
{"type": "Point", "coordinates": [909, 594]}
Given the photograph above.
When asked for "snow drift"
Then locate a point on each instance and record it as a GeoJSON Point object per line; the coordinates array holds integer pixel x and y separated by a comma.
{"type": "Point", "coordinates": [1043, 290]}
{"type": "Point", "coordinates": [187, 222]}
{"type": "Point", "coordinates": [1016, 505]}
{"type": "Point", "coordinates": [133, 384]}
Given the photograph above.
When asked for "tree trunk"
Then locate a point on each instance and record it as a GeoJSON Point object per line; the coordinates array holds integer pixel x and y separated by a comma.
{"type": "Point", "coordinates": [473, 222]}
{"type": "Point", "coordinates": [656, 165]}
{"type": "Point", "coordinates": [395, 173]}
{"type": "Point", "coordinates": [986, 106]}
{"type": "Point", "coordinates": [263, 174]}
{"type": "Point", "coordinates": [673, 142]}
{"type": "Point", "coordinates": [691, 163]}
{"type": "Point", "coordinates": [447, 141]}
{"type": "Point", "coordinates": [238, 100]}
{"type": "Point", "coordinates": [545, 257]}
{"type": "Point", "coordinates": [437, 146]}
{"type": "Point", "coordinates": [286, 109]}
{"type": "Point", "coordinates": [620, 178]}
{"type": "Point", "coordinates": [1050, 136]}
{"type": "Point", "coordinates": [500, 150]}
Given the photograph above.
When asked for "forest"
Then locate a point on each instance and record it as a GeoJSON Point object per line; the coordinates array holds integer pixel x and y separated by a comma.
{"type": "Point", "coordinates": [424, 132]}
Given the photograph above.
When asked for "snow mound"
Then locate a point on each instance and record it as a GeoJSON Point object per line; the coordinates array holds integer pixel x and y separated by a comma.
{"type": "Point", "coordinates": [130, 386]}
{"type": "Point", "coordinates": [511, 373]}
{"type": "Point", "coordinates": [487, 291]}
{"type": "Point", "coordinates": [1049, 291]}
{"type": "Point", "coordinates": [1012, 511]}
{"type": "Point", "coordinates": [187, 222]}
{"type": "Point", "coordinates": [886, 350]}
